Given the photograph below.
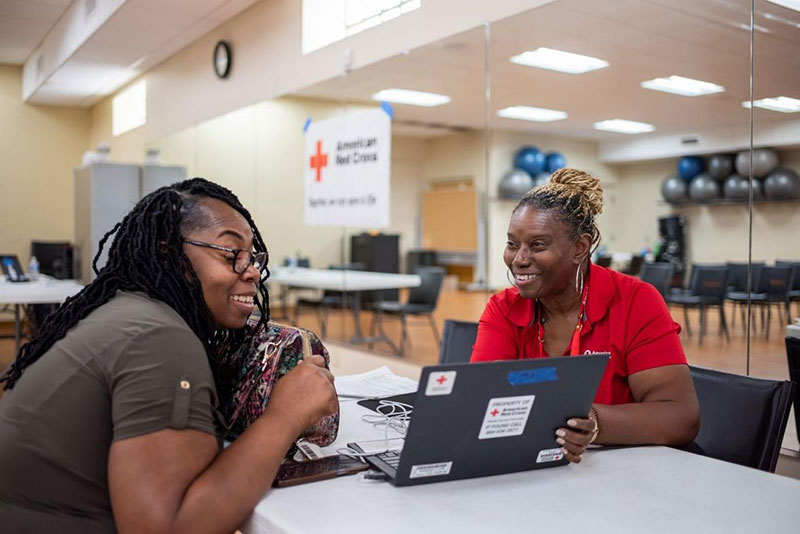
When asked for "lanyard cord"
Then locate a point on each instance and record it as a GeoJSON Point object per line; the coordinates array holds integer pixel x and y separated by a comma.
{"type": "Point", "coordinates": [575, 342]}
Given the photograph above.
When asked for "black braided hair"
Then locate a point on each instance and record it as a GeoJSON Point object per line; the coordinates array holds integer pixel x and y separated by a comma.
{"type": "Point", "coordinates": [147, 255]}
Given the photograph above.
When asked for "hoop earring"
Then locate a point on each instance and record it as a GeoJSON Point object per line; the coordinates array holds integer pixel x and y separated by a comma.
{"type": "Point", "coordinates": [509, 278]}
{"type": "Point", "coordinates": [579, 279]}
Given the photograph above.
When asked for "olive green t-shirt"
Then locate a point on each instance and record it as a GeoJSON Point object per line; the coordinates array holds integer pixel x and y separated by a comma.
{"type": "Point", "coordinates": [131, 367]}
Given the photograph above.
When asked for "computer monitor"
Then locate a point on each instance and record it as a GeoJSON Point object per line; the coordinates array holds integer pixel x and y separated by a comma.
{"type": "Point", "coordinates": [55, 258]}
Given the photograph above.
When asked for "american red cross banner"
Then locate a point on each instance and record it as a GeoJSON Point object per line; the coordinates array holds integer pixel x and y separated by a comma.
{"type": "Point", "coordinates": [347, 170]}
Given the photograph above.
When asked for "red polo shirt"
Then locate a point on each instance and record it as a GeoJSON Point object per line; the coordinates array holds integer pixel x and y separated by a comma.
{"type": "Point", "coordinates": [624, 316]}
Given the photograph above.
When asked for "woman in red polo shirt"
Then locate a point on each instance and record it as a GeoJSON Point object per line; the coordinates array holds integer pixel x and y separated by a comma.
{"type": "Point", "coordinates": [562, 304]}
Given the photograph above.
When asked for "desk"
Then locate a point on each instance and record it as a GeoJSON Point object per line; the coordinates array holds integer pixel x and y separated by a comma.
{"type": "Point", "coordinates": [44, 290]}
{"type": "Point", "coordinates": [347, 282]}
{"type": "Point", "coordinates": [634, 490]}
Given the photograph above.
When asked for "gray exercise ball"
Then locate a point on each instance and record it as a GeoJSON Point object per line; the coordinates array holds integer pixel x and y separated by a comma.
{"type": "Point", "coordinates": [764, 161]}
{"type": "Point", "coordinates": [541, 179]}
{"type": "Point", "coordinates": [674, 190]}
{"type": "Point", "coordinates": [720, 166]}
{"type": "Point", "coordinates": [782, 183]}
{"type": "Point", "coordinates": [736, 187]}
{"type": "Point", "coordinates": [514, 184]}
{"type": "Point", "coordinates": [703, 188]}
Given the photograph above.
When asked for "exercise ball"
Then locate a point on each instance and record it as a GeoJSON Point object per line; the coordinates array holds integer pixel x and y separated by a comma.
{"type": "Point", "coordinates": [782, 183]}
{"type": "Point", "coordinates": [764, 161]}
{"type": "Point", "coordinates": [554, 161]}
{"type": "Point", "coordinates": [720, 166]}
{"type": "Point", "coordinates": [674, 190]}
{"type": "Point", "coordinates": [735, 188]}
{"type": "Point", "coordinates": [703, 188]}
{"type": "Point", "coordinates": [690, 166]}
{"type": "Point", "coordinates": [541, 179]}
{"type": "Point", "coordinates": [514, 184]}
{"type": "Point", "coordinates": [530, 159]}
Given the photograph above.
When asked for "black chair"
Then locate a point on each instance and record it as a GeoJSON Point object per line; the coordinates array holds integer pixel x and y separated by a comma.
{"type": "Point", "coordinates": [706, 289]}
{"type": "Point", "coordinates": [458, 337]}
{"type": "Point", "coordinates": [634, 266]}
{"type": "Point", "coordinates": [794, 289]}
{"type": "Point", "coordinates": [742, 419]}
{"type": "Point", "coordinates": [421, 302]}
{"type": "Point", "coordinates": [737, 286]}
{"type": "Point", "coordinates": [659, 275]}
{"type": "Point", "coordinates": [772, 287]}
{"type": "Point", "coordinates": [329, 300]}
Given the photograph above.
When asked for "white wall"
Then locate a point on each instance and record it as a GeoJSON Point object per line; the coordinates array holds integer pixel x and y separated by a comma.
{"type": "Point", "coordinates": [258, 152]}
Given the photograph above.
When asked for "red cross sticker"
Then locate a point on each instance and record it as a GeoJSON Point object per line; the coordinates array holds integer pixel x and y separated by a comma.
{"type": "Point", "coordinates": [494, 412]}
{"type": "Point", "coordinates": [319, 160]}
{"type": "Point", "coordinates": [442, 379]}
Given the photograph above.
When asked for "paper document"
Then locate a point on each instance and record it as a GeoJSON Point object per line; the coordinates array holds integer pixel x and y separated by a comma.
{"type": "Point", "coordinates": [379, 382]}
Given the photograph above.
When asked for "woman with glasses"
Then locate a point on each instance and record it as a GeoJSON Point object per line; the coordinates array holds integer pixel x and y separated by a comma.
{"type": "Point", "coordinates": [109, 419]}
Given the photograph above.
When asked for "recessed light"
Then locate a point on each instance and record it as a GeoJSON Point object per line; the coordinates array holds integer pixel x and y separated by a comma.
{"type": "Point", "coordinates": [682, 86]}
{"type": "Point", "coordinates": [548, 58]}
{"type": "Point", "coordinates": [528, 113]}
{"type": "Point", "coordinates": [623, 126]}
{"type": "Point", "coordinates": [784, 104]}
{"type": "Point", "coordinates": [790, 4]}
{"type": "Point", "coordinates": [412, 98]}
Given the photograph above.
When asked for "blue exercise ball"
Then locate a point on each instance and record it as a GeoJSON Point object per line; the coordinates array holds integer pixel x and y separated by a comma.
{"type": "Point", "coordinates": [674, 190]}
{"type": "Point", "coordinates": [514, 184]}
{"type": "Point", "coordinates": [554, 161]}
{"type": "Point", "coordinates": [530, 159]}
{"type": "Point", "coordinates": [690, 166]}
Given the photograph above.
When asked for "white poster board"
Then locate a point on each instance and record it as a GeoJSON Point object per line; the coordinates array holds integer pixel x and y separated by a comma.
{"type": "Point", "coordinates": [347, 170]}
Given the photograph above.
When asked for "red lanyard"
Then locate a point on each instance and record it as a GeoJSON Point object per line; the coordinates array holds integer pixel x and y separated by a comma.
{"type": "Point", "coordinates": [575, 342]}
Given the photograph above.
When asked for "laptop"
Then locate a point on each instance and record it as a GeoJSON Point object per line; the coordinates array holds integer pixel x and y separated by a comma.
{"type": "Point", "coordinates": [480, 419]}
{"type": "Point", "coordinates": [12, 269]}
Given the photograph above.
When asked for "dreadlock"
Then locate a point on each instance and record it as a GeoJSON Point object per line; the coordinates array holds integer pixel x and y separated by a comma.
{"type": "Point", "coordinates": [575, 197]}
{"type": "Point", "coordinates": [147, 255]}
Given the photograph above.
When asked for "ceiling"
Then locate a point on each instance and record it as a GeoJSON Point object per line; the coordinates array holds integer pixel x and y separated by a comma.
{"type": "Point", "coordinates": [77, 51]}
{"type": "Point", "coordinates": [641, 39]}
{"type": "Point", "coordinates": [23, 25]}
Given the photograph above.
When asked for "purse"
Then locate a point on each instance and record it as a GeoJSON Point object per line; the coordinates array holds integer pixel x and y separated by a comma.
{"type": "Point", "coordinates": [245, 378]}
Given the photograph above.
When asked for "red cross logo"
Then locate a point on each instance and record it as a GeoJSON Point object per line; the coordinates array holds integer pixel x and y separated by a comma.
{"type": "Point", "coordinates": [494, 412]}
{"type": "Point", "coordinates": [319, 160]}
{"type": "Point", "coordinates": [442, 379]}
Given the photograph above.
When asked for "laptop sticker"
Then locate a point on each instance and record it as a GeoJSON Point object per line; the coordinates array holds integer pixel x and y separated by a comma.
{"type": "Point", "coordinates": [549, 455]}
{"type": "Point", "coordinates": [532, 376]}
{"type": "Point", "coordinates": [440, 383]}
{"type": "Point", "coordinates": [431, 470]}
{"type": "Point", "coordinates": [506, 417]}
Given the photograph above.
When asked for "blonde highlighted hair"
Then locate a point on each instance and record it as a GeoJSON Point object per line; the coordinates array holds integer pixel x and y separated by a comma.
{"type": "Point", "coordinates": [576, 198]}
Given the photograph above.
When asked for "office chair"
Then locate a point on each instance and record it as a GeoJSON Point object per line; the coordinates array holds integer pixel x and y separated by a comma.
{"type": "Point", "coordinates": [742, 419]}
{"type": "Point", "coordinates": [458, 337]}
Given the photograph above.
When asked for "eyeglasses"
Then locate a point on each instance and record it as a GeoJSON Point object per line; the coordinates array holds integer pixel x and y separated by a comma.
{"type": "Point", "coordinates": [242, 259]}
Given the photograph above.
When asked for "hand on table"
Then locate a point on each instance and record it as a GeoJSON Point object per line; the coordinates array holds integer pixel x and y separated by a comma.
{"type": "Point", "coordinates": [575, 437]}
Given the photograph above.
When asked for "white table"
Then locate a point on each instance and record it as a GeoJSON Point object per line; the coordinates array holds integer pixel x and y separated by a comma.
{"type": "Point", "coordinates": [346, 281]}
{"type": "Point", "coordinates": [44, 290]}
{"type": "Point", "coordinates": [634, 490]}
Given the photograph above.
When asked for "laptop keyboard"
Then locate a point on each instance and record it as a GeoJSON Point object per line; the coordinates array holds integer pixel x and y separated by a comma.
{"type": "Point", "coordinates": [390, 457]}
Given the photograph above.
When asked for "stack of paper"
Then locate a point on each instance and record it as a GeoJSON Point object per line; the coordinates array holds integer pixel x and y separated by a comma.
{"type": "Point", "coordinates": [380, 382]}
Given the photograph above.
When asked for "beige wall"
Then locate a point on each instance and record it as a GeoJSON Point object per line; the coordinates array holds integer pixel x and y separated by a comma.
{"type": "Point", "coordinates": [257, 152]}
{"type": "Point", "coordinates": [715, 233]}
{"type": "Point", "coordinates": [39, 147]}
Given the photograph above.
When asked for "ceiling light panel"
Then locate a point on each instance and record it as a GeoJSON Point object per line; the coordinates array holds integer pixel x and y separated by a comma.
{"type": "Point", "coordinates": [784, 104]}
{"type": "Point", "coordinates": [624, 126]}
{"type": "Point", "coordinates": [528, 113]}
{"type": "Point", "coordinates": [412, 98]}
{"type": "Point", "coordinates": [550, 59]}
{"type": "Point", "coordinates": [682, 86]}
